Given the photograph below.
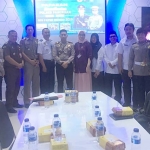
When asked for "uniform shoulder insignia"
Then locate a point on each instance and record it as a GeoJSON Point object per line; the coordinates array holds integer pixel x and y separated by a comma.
{"type": "Point", "coordinates": [5, 45]}
{"type": "Point", "coordinates": [57, 43]}
{"type": "Point", "coordinates": [134, 43]}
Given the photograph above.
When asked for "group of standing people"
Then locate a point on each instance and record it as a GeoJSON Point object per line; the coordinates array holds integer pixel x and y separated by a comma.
{"type": "Point", "coordinates": [95, 67]}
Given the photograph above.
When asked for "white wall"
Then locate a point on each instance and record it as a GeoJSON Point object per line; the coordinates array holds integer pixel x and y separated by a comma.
{"type": "Point", "coordinates": [9, 20]}
{"type": "Point", "coordinates": [132, 14]}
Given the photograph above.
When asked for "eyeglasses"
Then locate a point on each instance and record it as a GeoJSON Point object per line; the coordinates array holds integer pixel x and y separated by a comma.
{"type": "Point", "coordinates": [81, 34]}
{"type": "Point", "coordinates": [112, 36]}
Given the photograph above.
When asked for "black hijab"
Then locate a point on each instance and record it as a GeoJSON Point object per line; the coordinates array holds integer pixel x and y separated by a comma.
{"type": "Point", "coordinates": [95, 46]}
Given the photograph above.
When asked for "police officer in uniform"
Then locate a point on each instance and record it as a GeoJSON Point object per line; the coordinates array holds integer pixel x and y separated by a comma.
{"type": "Point", "coordinates": [47, 64]}
{"type": "Point", "coordinates": [81, 20]}
{"type": "Point", "coordinates": [13, 62]}
{"type": "Point", "coordinates": [139, 61]}
{"type": "Point", "coordinates": [63, 54]}
{"type": "Point", "coordinates": [29, 46]}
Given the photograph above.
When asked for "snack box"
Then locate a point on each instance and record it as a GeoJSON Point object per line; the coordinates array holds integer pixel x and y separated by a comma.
{"type": "Point", "coordinates": [90, 125]}
{"type": "Point", "coordinates": [44, 134]}
{"type": "Point", "coordinates": [59, 145]}
{"type": "Point", "coordinates": [122, 111]}
{"type": "Point", "coordinates": [110, 142]}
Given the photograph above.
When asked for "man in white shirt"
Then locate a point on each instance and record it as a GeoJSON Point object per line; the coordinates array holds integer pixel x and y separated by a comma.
{"type": "Point", "coordinates": [112, 73]}
{"type": "Point", "coordinates": [123, 57]}
{"type": "Point", "coordinates": [47, 63]}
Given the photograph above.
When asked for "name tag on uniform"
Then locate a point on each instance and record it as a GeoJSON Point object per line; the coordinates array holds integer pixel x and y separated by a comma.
{"type": "Point", "coordinates": [46, 49]}
{"type": "Point", "coordinates": [1, 60]}
{"type": "Point", "coordinates": [79, 56]}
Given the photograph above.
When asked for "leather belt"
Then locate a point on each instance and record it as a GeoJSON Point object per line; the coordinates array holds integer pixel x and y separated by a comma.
{"type": "Point", "coordinates": [140, 63]}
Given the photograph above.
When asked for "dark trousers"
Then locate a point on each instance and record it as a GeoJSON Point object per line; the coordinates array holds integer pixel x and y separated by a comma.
{"type": "Point", "coordinates": [141, 86]}
{"type": "Point", "coordinates": [109, 78]}
{"type": "Point", "coordinates": [12, 79]}
{"type": "Point", "coordinates": [1, 79]}
{"type": "Point", "coordinates": [126, 88]}
{"type": "Point", "coordinates": [98, 83]}
{"type": "Point", "coordinates": [66, 73]}
{"type": "Point", "coordinates": [47, 79]}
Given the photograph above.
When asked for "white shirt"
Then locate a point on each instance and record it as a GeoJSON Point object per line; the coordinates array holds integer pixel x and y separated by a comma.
{"type": "Point", "coordinates": [98, 64]}
{"type": "Point", "coordinates": [111, 56]}
{"type": "Point", "coordinates": [45, 48]}
{"type": "Point", "coordinates": [124, 49]}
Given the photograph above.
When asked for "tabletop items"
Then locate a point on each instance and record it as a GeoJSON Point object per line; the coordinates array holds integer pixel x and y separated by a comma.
{"type": "Point", "coordinates": [97, 122]}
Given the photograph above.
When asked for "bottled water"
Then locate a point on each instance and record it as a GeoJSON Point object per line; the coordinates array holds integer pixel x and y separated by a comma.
{"type": "Point", "coordinates": [97, 111]}
{"type": "Point", "coordinates": [57, 133]}
{"type": "Point", "coordinates": [32, 136]}
{"type": "Point", "coordinates": [67, 96]}
{"type": "Point", "coordinates": [94, 99]}
{"type": "Point", "coordinates": [26, 128]}
{"type": "Point", "coordinates": [94, 95]}
{"type": "Point", "coordinates": [73, 96]}
{"type": "Point", "coordinates": [99, 127]}
{"type": "Point", "coordinates": [136, 140]}
{"type": "Point", "coordinates": [46, 100]}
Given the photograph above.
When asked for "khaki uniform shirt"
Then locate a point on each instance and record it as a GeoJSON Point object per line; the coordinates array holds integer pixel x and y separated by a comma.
{"type": "Point", "coordinates": [63, 52]}
{"type": "Point", "coordinates": [14, 51]}
{"type": "Point", "coordinates": [139, 59]}
{"type": "Point", "coordinates": [29, 47]}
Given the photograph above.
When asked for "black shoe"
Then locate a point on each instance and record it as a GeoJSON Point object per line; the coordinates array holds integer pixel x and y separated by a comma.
{"type": "Point", "coordinates": [11, 110]}
{"type": "Point", "coordinates": [135, 109]}
{"type": "Point", "coordinates": [27, 105]}
{"type": "Point", "coordinates": [17, 105]}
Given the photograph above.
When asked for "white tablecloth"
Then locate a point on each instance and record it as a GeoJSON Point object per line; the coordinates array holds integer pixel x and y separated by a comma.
{"type": "Point", "coordinates": [73, 118]}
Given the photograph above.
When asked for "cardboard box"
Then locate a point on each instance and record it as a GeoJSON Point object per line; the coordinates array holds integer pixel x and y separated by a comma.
{"type": "Point", "coordinates": [59, 145]}
{"type": "Point", "coordinates": [122, 111]}
{"type": "Point", "coordinates": [41, 103]}
{"type": "Point", "coordinates": [110, 142]}
{"type": "Point", "coordinates": [44, 134]}
{"type": "Point", "coordinates": [68, 95]}
{"type": "Point", "coordinates": [90, 125]}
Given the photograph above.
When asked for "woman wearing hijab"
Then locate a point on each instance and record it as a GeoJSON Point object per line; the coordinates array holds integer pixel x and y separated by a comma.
{"type": "Point", "coordinates": [82, 62]}
{"type": "Point", "coordinates": [97, 64]}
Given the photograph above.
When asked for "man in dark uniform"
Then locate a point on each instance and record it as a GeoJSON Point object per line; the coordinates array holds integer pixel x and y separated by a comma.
{"type": "Point", "coordinates": [29, 47]}
{"type": "Point", "coordinates": [63, 53]}
{"type": "Point", "coordinates": [81, 20]}
{"type": "Point", "coordinates": [13, 62]}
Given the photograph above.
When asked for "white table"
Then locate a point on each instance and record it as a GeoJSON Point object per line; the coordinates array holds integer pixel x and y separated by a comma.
{"type": "Point", "coordinates": [74, 117]}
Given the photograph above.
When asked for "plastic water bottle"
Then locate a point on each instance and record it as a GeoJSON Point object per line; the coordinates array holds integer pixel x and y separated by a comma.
{"type": "Point", "coordinates": [94, 99]}
{"type": "Point", "coordinates": [57, 133]}
{"type": "Point", "coordinates": [73, 96]}
{"type": "Point", "coordinates": [67, 96]}
{"type": "Point", "coordinates": [99, 127]}
{"type": "Point", "coordinates": [46, 100]}
{"type": "Point", "coordinates": [97, 111]}
{"type": "Point", "coordinates": [32, 137]}
{"type": "Point", "coordinates": [136, 140]}
{"type": "Point", "coordinates": [26, 128]}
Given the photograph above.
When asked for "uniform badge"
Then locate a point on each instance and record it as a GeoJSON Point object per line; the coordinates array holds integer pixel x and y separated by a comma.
{"type": "Point", "coordinates": [14, 54]}
{"type": "Point", "coordinates": [28, 49]}
{"type": "Point", "coordinates": [79, 55]}
{"type": "Point", "coordinates": [20, 55]}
